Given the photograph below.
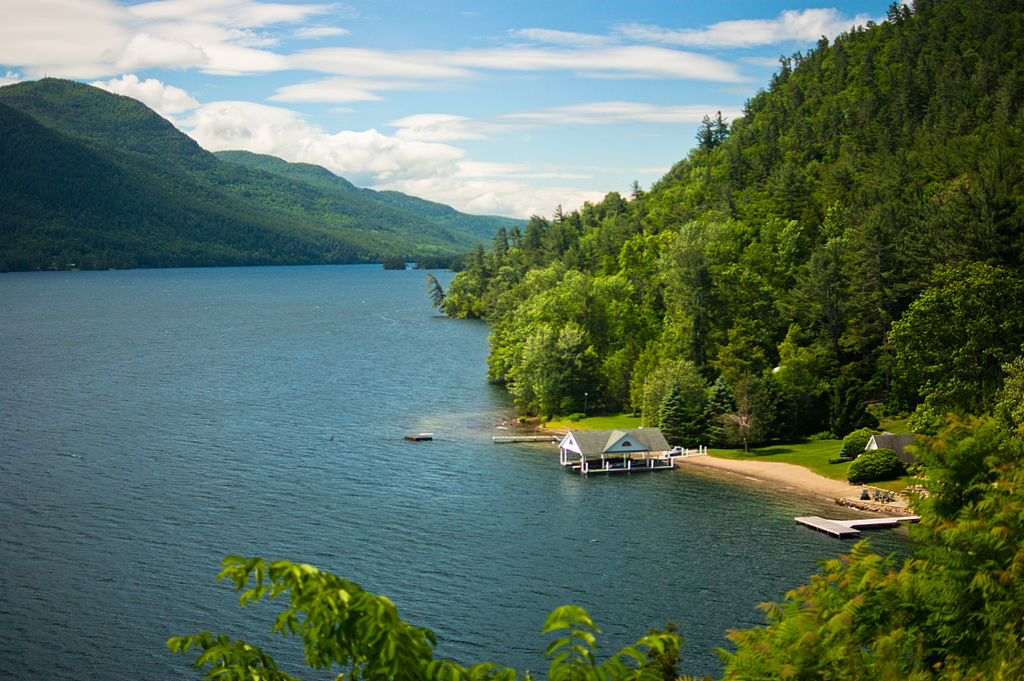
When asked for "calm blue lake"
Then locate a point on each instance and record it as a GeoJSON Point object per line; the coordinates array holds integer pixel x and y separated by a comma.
{"type": "Point", "coordinates": [154, 421]}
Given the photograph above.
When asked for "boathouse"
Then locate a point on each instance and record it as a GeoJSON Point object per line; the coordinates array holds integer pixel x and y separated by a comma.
{"type": "Point", "coordinates": [615, 451]}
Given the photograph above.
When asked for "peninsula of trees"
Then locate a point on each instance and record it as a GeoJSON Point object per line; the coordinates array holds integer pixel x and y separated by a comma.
{"type": "Point", "coordinates": [851, 245]}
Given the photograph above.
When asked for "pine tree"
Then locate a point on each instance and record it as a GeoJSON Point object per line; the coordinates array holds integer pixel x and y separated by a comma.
{"type": "Point", "coordinates": [683, 422]}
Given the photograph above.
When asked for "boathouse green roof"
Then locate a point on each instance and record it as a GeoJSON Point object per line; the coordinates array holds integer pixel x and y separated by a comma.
{"type": "Point", "coordinates": [617, 441]}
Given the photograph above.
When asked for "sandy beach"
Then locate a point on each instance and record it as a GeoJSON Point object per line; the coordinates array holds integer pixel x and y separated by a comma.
{"type": "Point", "coordinates": [795, 477]}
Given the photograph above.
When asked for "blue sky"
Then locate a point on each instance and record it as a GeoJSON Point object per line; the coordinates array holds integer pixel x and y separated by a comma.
{"type": "Point", "coordinates": [510, 108]}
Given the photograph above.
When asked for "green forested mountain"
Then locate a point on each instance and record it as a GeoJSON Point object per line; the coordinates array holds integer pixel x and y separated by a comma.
{"type": "Point", "coordinates": [98, 180]}
{"type": "Point", "coordinates": [480, 227]}
{"type": "Point", "coordinates": [855, 241]}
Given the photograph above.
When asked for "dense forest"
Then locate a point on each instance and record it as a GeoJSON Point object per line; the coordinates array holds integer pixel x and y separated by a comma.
{"type": "Point", "coordinates": [94, 180]}
{"type": "Point", "coordinates": [851, 247]}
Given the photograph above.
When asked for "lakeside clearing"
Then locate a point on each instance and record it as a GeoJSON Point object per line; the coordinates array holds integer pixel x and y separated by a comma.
{"type": "Point", "coordinates": [799, 465]}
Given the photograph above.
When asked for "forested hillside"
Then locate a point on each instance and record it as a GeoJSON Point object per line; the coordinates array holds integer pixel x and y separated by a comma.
{"type": "Point", "coordinates": [852, 245]}
{"type": "Point", "coordinates": [96, 180]}
{"type": "Point", "coordinates": [481, 227]}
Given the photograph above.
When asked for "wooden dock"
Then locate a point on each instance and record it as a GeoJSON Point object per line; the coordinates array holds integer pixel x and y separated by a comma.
{"type": "Point", "coordinates": [508, 439]}
{"type": "Point", "coordinates": [849, 528]}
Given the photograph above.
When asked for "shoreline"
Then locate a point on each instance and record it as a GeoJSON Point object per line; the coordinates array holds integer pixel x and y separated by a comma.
{"type": "Point", "coordinates": [787, 475]}
{"type": "Point", "coordinates": [778, 474]}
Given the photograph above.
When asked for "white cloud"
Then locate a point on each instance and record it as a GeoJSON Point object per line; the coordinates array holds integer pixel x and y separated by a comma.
{"type": "Point", "coordinates": [606, 113]}
{"type": "Point", "coordinates": [439, 127]}
{"type": "Point", "coordinates": [485, 196]}
{"type": "Point", "coordinates": [439, 172]}
{"type": "Point", "coordinates": [100, 38]}
{"type": "Point", "coordinates": [146, 51]}
{"type": "Point", "coordinates": [368, 63]}
{"type": "Point", "coordinates": [316, 32]}
{"type": "Point", "coordinates": [341, 90]}
{"type": "Point", "coordinates": [450, 127]}
{"type": "Point", "coordinates": [64, 37]}
{"type": "Point", "coordinates": [166, 100]}
{"type": "Point", "coordinates": [239, 13]}
{"type": "Point", "coordinates": [800, 25]}
{"type": "Point", "coordinates": [635, 61]}
{"type": "Point", "coordinates": [366, 157]}
{"type": "Point", "coordinates": [566, 38]}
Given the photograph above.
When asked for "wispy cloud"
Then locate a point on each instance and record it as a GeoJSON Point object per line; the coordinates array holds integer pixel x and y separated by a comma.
{"type": "Point", "coordinates": [447, 127]}
{"type": "Point", "coordinates": [247, 13]}
{"type": "Point", "coordinates": [317, 32]}
{"type": "Point", "coordinates": [564, 38]}
{"type": "Point", "coordinates": [791, 25]}
{"type": "Point", "coordinates": [606, 113]}
{"type": "Point", "coordinates": [65, 38]}
{"type": "Point", "coordinates": [636, 61]}
{"type": "Point", "coordinates": [441, 127]}
{"type": "Point", "coordinates": [340, 90]}
{"type": "Point", "coordinates": [369, 63]}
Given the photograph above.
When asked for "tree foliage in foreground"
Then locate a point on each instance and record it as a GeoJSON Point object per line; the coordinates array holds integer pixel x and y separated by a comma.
{"type": "Point", "coordinates": [361, 634]}
{"type": "Point", "coordinates": [953, 612]}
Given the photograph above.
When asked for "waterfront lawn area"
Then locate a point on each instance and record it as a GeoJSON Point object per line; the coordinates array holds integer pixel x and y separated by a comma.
{"type": "Point", "coordinates": [599, 422]}
{"type": "Point", "coordinates": [811, 454]}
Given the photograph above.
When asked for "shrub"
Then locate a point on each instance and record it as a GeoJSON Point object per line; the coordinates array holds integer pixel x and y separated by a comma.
{"type": "Point", "coordinates": [876, 464]}
{"type": "Point", "coordinates": [855, 442]}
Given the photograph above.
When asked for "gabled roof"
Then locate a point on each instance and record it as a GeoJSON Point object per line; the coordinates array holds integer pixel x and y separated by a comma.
{"type": "Point", "coordinates": [896, 442]}
{"type": "Point", "coordinates": [618, 441]}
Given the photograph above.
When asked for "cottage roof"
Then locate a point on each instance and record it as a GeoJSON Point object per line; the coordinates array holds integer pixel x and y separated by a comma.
{"type": "Point", "coordinates": [617, 441]}
{"type": "Point", "coordinates": [897, 442]}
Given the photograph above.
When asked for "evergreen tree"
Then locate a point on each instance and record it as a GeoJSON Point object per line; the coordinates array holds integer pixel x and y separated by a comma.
{"type": "Point", "coordinates": [682, 416]}
{"type": "Point", "coordinates": [435, 291]}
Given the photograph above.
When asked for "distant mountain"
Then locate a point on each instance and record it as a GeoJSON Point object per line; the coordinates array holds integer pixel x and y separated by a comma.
{"type": "Point", "coordinates": [480, 227]}
{"type": "Point", "coordinates": [96, 180]}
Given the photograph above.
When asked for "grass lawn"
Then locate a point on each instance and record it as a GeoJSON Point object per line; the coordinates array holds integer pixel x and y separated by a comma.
{"type": "Point", "coordinates": [601, 422]}
{"type": "Point", "coordinates": [811, 454]}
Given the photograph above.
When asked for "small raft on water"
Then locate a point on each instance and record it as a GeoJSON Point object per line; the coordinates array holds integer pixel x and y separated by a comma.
{"type": "Point", "coordinates": [420, 436]}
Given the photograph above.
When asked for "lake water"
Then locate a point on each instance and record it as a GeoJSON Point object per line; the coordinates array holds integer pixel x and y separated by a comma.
{"type": "Point", "coordinates": [154, 421]}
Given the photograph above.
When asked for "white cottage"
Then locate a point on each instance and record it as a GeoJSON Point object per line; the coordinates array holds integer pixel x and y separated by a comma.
{"type": "Point", "coordinates": [901, 443]}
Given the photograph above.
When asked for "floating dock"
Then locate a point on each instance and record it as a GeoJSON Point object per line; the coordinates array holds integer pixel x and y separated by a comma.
{"type": "Point", "coordinates": [420, 437]}
{"type": "Point", "coordinates": [849, 528]}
